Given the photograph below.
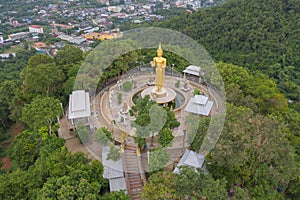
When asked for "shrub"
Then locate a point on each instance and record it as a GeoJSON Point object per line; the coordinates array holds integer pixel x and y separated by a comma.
{"type": "Point", "coordinates": [131, 113]}
{"type": "Point", "coordinates": [82, 132]}
{"type": "Point", "coordinates": [196, 91]}
{"type": "Point", "coordinates": [127, 86]}
{"type": "Point", "coordinates": [177, 84]}
{"type": "Point", "coordinates": [113, 153]}
{"type": "Point", "coordinates": [119, 96]}
{"type": "Point", "coordinates": [103, 136]}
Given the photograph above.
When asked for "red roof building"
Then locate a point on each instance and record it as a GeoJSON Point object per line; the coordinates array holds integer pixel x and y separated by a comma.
{"type": "Point", "coordinates": [36, 29]}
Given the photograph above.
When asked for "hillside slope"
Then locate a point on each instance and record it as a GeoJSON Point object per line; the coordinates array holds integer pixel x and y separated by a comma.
{"type": "Point", "coordinates": [260, 35]}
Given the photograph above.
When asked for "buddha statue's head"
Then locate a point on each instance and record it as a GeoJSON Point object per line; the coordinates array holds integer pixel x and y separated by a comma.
{"type": "Point", "coordinates": [159, 51]}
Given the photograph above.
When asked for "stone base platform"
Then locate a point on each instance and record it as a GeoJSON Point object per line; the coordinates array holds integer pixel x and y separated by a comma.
{"type": "Point", "coordinates": [165, 96]}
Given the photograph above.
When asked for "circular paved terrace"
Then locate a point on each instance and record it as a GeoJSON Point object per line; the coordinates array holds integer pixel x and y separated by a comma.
{"type": "Point", "coordinates": [108, 107]}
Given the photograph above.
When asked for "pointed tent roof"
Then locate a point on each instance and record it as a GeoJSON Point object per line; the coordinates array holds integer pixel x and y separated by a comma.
{"type": "Point", "coordinates": [192, 69]}
{"type": "Point", "coordinates": [192, 159]}
{"type": "Point", "coordinates": [196, 106]}
{"type": "Point", "coordinates": [113, 171]}
{"type": "Point", "coordinates": [200, 99]}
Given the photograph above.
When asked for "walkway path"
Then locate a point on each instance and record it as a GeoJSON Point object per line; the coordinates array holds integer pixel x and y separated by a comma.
{"type": "Point", "coordinates": [72, 142]}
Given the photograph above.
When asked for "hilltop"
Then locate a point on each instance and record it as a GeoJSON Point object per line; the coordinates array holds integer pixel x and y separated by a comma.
{"type": "Point", "coordinates": [259, 35]}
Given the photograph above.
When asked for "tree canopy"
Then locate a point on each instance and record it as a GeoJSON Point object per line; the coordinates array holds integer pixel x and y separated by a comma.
{"type": "Point", "coordinates": [259, 35]}
{"type": "Point", "coordinates": [42, 111]}
{"type": "Point", "coordinates": [189, 184]}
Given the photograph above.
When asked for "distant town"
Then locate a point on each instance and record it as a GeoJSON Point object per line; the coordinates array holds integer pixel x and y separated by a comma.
{"type": "Point", "coordinates": [49, 25]}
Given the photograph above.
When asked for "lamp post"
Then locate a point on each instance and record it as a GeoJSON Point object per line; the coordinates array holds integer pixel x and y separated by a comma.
{"type": "Point", "coordinates": [172, 68]}
{"type": "Point", "coordinates": [183, 142]}
{"type": "Point", "coordinates": [113, 123]}
{"type": "Point", "coordinates": [201, 77]}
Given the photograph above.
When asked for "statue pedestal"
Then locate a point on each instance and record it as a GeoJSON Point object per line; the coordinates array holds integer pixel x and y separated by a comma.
{"type": "Point", "coordinates": [155, 94]}
{"type": "Point", "coordinates": [165, 96]}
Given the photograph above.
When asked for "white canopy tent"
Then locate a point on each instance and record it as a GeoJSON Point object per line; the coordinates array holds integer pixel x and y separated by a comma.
{"type": "Point", "coordinates": [200, 105]}
{"type": "Point", "coordinates": [113, 171]}
{"type": "Point", "coordinates": [191, 159]}
{"type": "Point", "coordinates": [193, 70]}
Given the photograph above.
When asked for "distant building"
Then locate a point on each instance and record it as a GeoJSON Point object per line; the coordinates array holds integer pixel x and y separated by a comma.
{"type": "Point", "coordinates": [137, 21]}
{"type": "Point", "coordinates": [40, 46]}
{"type": "Point", "coordinates": [64, 37]}
{"type": "Point", "coordinates": [77, 40]}
{"type": "Point", "coordinates": [116, 9]}
{"type": "Point", "coordinates": [99, 36]}
{"type": "Point", "coordinates": [42, 12]}
{"type": "Point", "coordinates": [17, 36]}
{"type": "Point", "coordinates": [62, 26]}
{"type": "Point", "coordinates": [79, 108]}
{"type": "Point", "coordinates": [36, 29]}
{"type": "Point", "coordinates": [6, 56]}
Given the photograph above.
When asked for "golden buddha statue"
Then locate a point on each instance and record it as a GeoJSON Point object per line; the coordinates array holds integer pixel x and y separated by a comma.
{"type": "Point", "coordinates": [160, 63]}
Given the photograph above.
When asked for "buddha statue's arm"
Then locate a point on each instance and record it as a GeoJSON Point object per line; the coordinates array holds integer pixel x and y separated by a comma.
{"type": "Point", "coordinates": [153, 64]}
{"type": "Point", "coordinates": [164, 63]}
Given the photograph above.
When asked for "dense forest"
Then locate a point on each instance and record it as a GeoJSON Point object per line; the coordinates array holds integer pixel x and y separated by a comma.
{"type": "Point", "coordinates": [257, 156]}
{"type": "Point", "coordinates": [259, 35]}
{"type": "Point", "coordinates": [32, 88]}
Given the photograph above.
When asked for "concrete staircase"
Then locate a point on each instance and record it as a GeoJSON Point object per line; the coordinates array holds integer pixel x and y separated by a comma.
{"type": "Point", "coordinates": [134, 174]}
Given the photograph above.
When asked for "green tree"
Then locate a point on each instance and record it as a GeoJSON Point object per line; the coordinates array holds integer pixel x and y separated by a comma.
{"type": "Point", "coordinates": [25, 149]}
{"type": "Point", "coordinates": [196, 184]}
{"type": "Point", "coordinates": [189, 184]}
{"type": "Point", "coordinates": [151, 119]}
{"type": "Point", "coordinates": [158, 159]}
{"type": "Point", "coordinates": [42, 111]}
{"type": "Point", "coordinates": [252, 151]}
{"type": "Point", "coordinates": [39, 59]}
{"type": "Point", "coordinates": [165, 137]}
{"type": "Point", "coordinates": [82, 132]}
{"type": "Point", "coordinates": [7, 89]}
{"type": "Point", "coordinates": [68, 55]}
{"type": "Point", "coordinates": [42, 79]}
{"type": "Point", "coordinates": [115, 195]}
{"type": "Point", "coordinates": [103, 136]}
{"type": "Point", "coordinates": [114, 153]}
{"type": "Point", "coordinates": [262, 36]}
{"type": "Point", "coordinates": [160, 186]}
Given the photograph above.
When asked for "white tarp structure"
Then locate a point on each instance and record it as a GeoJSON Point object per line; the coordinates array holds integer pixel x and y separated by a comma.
{"type": "Point", "coordinates": [113, 171]}
{"type": "Point", "coordinates": [190, 159]}
{"type": "Point", "coordinates": [200, 105]}
{"type": "Point", "coordinates": [193, 70]}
